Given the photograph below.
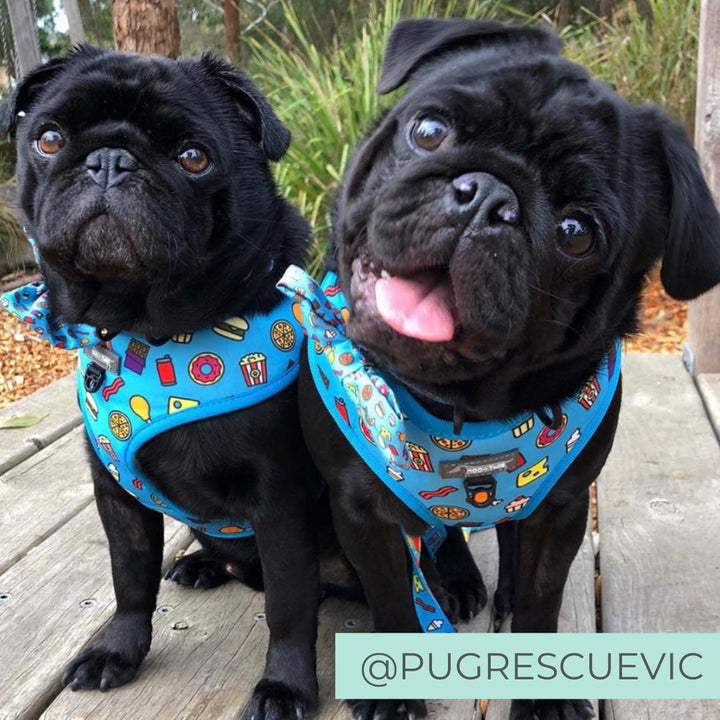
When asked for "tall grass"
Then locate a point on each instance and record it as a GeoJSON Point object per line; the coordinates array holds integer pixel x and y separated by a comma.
{"type": "Point", "coordinates": [328, 99]}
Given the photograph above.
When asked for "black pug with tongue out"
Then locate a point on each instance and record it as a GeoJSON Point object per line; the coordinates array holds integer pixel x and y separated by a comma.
{"type": "Point", "coordinates": [491, 241]}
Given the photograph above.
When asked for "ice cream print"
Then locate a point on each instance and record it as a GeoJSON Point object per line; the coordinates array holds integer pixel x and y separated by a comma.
{"type": "Point", "coordinates": [131, 388]}
{"type": "Point", "coordinates": [414, 453]}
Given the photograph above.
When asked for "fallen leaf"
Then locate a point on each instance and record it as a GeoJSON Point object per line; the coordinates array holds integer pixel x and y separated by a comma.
{"type": "Point", "coordinates": [22, 421]}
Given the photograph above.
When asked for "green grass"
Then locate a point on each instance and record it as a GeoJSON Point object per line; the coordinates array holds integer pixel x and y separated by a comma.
{"type": "Point", "coordinates": [328, 99]}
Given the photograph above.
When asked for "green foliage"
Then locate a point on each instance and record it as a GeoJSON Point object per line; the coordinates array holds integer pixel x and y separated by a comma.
{"type": "Point", "coordinates": [326, 95]}
{"type": "Point", "coordinates": [328, 99]}
{"type": "Point", "coordinates": [645, 54]}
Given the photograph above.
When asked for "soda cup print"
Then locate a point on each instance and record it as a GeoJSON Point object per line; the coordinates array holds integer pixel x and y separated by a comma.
{"type": "Point", "coordinates": [166, 371]}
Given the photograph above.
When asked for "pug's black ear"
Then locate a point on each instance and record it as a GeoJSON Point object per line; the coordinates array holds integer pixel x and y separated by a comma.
{"type": "Point", "coordinates": [27, 90]}
{"type": "Point", "coordinates": [415, 42]}
{"type": "Point", "coordinates": [273, 136]}
{"type": "Point", "coordinates": [691, 255]}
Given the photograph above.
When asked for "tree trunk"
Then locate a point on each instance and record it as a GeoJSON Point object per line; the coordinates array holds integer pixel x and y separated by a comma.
{"type": "Point", "coordinates": [27, 48]}
{"type": "Point", "coordinates": [704, 313]}
{"type": "Point", "coordinates": [75, 24]}
{"type": "Point", "coordinates": [148, 27]}
{"type": "Point", "coordinates": [231, 19]}
{"type": "Point", "coordinates": [563, 13]}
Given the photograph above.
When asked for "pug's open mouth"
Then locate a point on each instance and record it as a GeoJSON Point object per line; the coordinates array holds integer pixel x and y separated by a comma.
{"type": "Point", "coordinates": [418, 304]}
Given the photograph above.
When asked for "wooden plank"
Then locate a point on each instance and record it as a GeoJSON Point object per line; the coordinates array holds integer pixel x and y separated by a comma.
{"type": "Point", "coordinates": [709, 386]}
{"type": "Point", "coordinates": [55, 599]}
{"type": "Point", "coordinates": [704, 313]}
{"type": "Point", "coordinates": [577, 612]}
{"type": "Point", "coordinates": [58, 401]}
{"type": "Point", "coordinates": [42, 494]}
{"type": "Point", "coordinates": [658, 502]}
{"type": "Point", "coordinates": [207, 671]}
{"type": "Point", "coordinates": [24, 30]}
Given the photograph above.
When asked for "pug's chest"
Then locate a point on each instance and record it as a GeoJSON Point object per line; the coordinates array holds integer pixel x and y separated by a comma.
{"type": "Point", "coordinates": [182, 424]}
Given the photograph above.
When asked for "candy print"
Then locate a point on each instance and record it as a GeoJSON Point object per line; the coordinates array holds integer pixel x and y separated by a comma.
{"type": "Point", "coordinates": [206, 368]}
{"type": "Point", "coordinates": [137, 484]}
{"type": "Point", "coordinates": [135, 356]}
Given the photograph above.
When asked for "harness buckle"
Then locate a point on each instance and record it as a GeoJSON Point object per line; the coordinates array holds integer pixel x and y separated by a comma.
{"type": "Point", "coordinates": [94, 377]}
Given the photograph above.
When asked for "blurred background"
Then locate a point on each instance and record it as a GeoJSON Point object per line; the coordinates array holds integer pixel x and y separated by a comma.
{"type": "Point", "coordinates": [318, 62]}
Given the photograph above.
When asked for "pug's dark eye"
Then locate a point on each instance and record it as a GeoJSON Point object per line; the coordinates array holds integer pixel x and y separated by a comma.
{"type": "Point", "coordinates": [193, 160]}
{"type": "Point", "coordinates": [429, 133]}
{"type": "Point", "coordinates": [50, 142]}
{"type": "Point", "coordinates": [575, 235]}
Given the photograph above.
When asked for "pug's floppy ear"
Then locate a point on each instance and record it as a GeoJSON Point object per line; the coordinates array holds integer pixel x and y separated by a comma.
{"type": "Point", "coordinates": [272, 135]}
{"type": "Point", "coordinates": [22, 97]}
{"type": "Point", "coordinates": [417, 41]}
{"type": "Point", "coordinates": [691, 255]}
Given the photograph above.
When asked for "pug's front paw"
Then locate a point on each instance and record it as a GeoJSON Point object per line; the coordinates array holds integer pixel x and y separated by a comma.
{"type": "Point", "coordinates": [114, 658]}
{"type": "Point", "coordinates": [551, 710]}
{"type": "Point", "coordinates": [274, 700]}
{"type": "Point", "coordinates": [387, 709]}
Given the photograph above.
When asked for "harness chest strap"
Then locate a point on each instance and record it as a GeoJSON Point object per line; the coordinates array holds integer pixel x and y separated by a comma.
{"type": "Point", "coordinates": [132, 388]}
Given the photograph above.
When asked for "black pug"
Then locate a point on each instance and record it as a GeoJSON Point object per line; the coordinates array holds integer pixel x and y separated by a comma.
{"type": "Point", "coordinates": [512, 206]}
{"type": "Point", "coordinates": [147, 187]}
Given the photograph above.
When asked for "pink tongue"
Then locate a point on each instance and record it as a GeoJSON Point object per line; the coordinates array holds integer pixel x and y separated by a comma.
{"type": "Point", "coordinates": [420, 307]}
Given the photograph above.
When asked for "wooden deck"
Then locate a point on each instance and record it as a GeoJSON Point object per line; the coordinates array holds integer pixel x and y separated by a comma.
{"type": "Point", "coordinates": [659, 555]}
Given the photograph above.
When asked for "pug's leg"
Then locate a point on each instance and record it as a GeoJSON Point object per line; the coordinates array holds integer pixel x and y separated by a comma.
{"type": "Point", "coordinates": [135, 536]}
{"type": "Point", "coordinates": [506, 537]}
{"type": "Point", "coordinates": [547, 543]}
{"type": "Point", "coordinates": [377, 551]}
{"type": "Point", "coordinates": [287, 545]}
{"type": "Point", "coordinates": [460, 575]}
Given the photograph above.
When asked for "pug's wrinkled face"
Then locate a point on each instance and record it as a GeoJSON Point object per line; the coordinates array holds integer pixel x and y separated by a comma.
{"type": "Point", "coordinates": [504, 213]}
{"type": "Point", "coordinates": [138, 172]}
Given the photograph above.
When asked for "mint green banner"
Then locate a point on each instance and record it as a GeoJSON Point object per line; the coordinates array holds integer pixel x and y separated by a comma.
{"type": "Point", "coordinates": [526, 666]}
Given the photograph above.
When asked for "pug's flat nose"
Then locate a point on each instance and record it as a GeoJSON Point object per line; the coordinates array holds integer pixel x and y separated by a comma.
{"type": "Point", "coordinates": [110, 166]}
{"type": "Point", "coordinates": [483, 196]}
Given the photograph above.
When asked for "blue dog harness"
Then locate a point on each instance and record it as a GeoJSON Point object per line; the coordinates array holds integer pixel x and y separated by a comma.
{"type": "Point", "coordinates": [132, 388]}
{"type": "Point", "coordinates": [489, 473]}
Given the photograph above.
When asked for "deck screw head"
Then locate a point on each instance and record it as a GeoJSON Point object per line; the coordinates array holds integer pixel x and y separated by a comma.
{"type": "Point", "coordinates": [164, 609]}
{"type": "Point", "coordinates": [259, 617]}
{"type": "Point", "coordinates": [88, 602]}
{"type": "Point", "coordinates": [5, 596]}
{"type": "Point", "coordinates": [350, 624]}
